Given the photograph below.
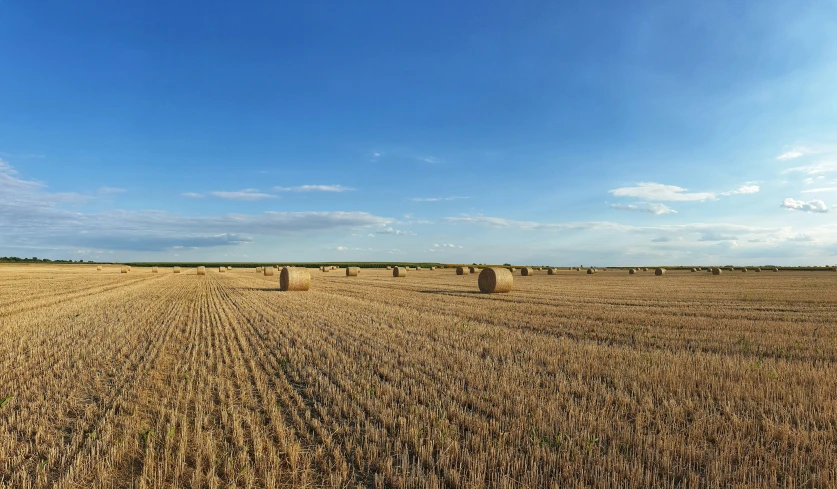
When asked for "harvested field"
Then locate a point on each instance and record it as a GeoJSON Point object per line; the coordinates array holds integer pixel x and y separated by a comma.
{"type": "Point", "coordinates": [178, 380]}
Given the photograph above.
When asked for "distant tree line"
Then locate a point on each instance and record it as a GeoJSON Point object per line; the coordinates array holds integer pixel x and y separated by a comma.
{"type": "Point", "coordinates": [34, 259]}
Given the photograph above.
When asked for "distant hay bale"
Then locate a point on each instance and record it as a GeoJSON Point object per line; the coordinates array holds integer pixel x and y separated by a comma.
{"type": "Point", "coordinates": [716, 271]}
{"type": "Point", "coordinates": [176, 269]}
{"type": "Point", "coordinates": [432, 268]}
{"type": "Point", "coordinates": [462, 271]}
{"type": "Point", "coordinates": [154, 270]}
{"type": "Point", "coordinates": [694, 269]}
{"type": "Point", "coordinates": [590, 271]}
{"type": "Point", "coordinates": [229, 268]}
{"type": "Point", "coordinates": [526, 272]}
{"type": "Point", "coordinates": [389, 268]}
{"type": "Point", "coordinates": [124, 270]}
{"type": "Point", "coordinates": [222, 269]}
{"type": "Point", "coordinates": [495, 281]}
{"type": "Point", "coordinates": [99, 268]}
{"type": "Point", "coordinates": [472, 269]}
{"type": "Point", "coordinates": [659, 271]}
{"type": "Point", "coordinates": [294, 280]}
{"type": "Point", "coordinates": [757, 269]}
{"type": "Point", "coordinates": [552, 271]}
{"type": "Point", "coordinates": [744, 270]}
{"type": "Point", "coordinates": [402, 272]}
{"type": "Point", "coordinates": [352, 271]}
{"type": "Point", "coordinates": [268, 271]}
{"type": "Point", "coordinates": [258, 269]}
{"type": "Point", "coordinates": [129, 268]}
{"type": "Point", "coordinates": [631, 271]}
{"type": "Point", "coordinates": [775, 269]}
{"type": "Point", "coordinates": [201, 270]}
{"type": "Point", "coordinates": [644, 269]}
{"type": "Point", "coordinates": [731, 269]}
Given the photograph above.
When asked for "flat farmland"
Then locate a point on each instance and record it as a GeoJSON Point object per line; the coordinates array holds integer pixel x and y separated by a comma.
{"type": "Point", "coordinates": [571, 380]}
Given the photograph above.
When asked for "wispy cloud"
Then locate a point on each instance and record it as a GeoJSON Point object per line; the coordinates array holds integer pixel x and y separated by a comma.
{"type": "Point", "coordinates": [192, 195]}
{"type": "Point", "coordinates": [815, 168]}
{"type": "Point", "coordinates": [656, 209]}
{"type": "Point", "coordinates": [446, 245]}
{"type": "Point", "coordinates": [314, 188]}
{"type": "Point", "coordinates": [744, 189]}
{"type": "Point", "coordinates": [794, 153]}
{"type": "Point", "coordinates": [823, 189]}
{"type": "Point", "coordinates": [397, 232]}
{"type": "Point", "coordinates": [816, 205]}
{"type": "Point", "coordinates": [111, 190]}
{"type": "Point", "coordinates": [246, 194]}
{"type": "Point", "coordinates": [658, 192]}
{"type": "Point", "coordinates": [436, 199]}
{"type": "Point", "coordinates": [428, 159]}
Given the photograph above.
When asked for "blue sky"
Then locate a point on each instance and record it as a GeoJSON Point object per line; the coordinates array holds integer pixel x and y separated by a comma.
{"type": "Point", "coordinates": [535, 132]}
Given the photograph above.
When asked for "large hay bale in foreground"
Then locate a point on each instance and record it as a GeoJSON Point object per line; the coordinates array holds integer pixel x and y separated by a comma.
{"type": "Point", "coordinates": [268, 271]}
{"type": "Point", "coordinates": [526, 272]}
{"type": "Point", "coordinates": [294, 280]}
{"type": "Point", "coordinates": [716, 271]}
{"type": "Point", "coordinates": [154, 270]}
{"type": "Point", "coordinates": [660, 271]}
{"type": "Point", "coordinates": [124, 270]}
{"type": "Point", "coordinates": [495, 281]}
{"type": "Point", "coordinates": [201, 270]}
{"type": "Point", "coordinates": [552, 271]}
{"type": "Point", "coordinates": [399, 272]}
{"type": "Point", "coordinates": [352, 271]}
{"type": "Point", "coordinates": [462, 271]}
{"type": "Point", "coordinates": [590, 271]}
{"type": "Point", "coordinates": [631, 271]}
{"type": "Point", "coordinates": [176, 270]}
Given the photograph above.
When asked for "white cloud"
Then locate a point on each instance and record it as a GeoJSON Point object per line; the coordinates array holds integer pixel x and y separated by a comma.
{"type": "Point", "coordinates": [793, 154]}
{"type": "Point", "coordinates": [111, 190]}
{"type": "Point", "coordinates": [815, 205]}
{"type": "Point", "coordinates": [657, 191]}
{"type": "Point", "coordinates": [815, 168]}
{"type": "Point", "coordinates": [744, 189]}
{"type": "Point", "coordinates": [443, 245]}
{"type": "Point", "coordinates": [436, 199]}
{"type": "Point", "coordinates": [397, 232]}
{"type": "Point", "coordinates": [656, 209]}
{"type": "Point", "coordinates": [429, 159]}
{"type": "Point", "coordinates": [824, 189]}
{"type": "Point", "coordinates": [314, 188]}
{"type": "Point", "coordinates": [246, 194]}
{"type": "Point", "coordinates": [192, 195]}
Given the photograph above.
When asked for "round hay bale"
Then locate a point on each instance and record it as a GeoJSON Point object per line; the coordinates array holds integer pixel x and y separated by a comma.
{"type": "Point", "coordinates": [472, 269]}
{"type": "Point", "coordinates": [229, 268]}
{"type": "Point", "coordinates": [716, 271]}
{"type": "Point", "coordinates": [694, 269]}
{"type": "Point", "coordinates": [389, 268]}
{"type": "Point", "coordinates": [129, 268]}
{"type": "Point", "coordinates": [201, 270]}
{"type": "Point", "coordinates": [644, 269]}
{"type": "Point", "coordinates": [222, 269]}
{"type": "Point", "coordinates": [775, 269]}
{"type": "Point", "coordinates": [462, 271]}
{"type": "Point", "coordinates": [294, 280]}
{"type": "Point", "coordinates": [99, 268]}
{"type": "Point", "coordinates": [659, 271]}
{"type": "Point", "coordinates": [124, 270]}
{"type": "Point", "coordinates": [154, 270]}
{"type": "Point", "coordinates": [744, 270]}
{"type": "Point", "coordinates": [352, 271]}
{"type": "Point", "coordinates": [401, 272]}
{"type": "Point", "coordinates": [268, 271]}
{"type": "Point", "coordinates": [757, 269]}
{"type": "Point", "coordinates": [552, 271]}
{"type": "Point", "coordinates": [526, 272]}
{"type": "Point", "coordinates": [631, 271]}
{"type": "Point", "coordinates": [432, 268]}
{"type": "Point", "coordinates": [590, 271]}
{"type": "Point", "coordinates": [495, 281]}
{"type": "Point", "coordinates": [176, 270]}
{"type": "Point", "coordinates": [731, 269]}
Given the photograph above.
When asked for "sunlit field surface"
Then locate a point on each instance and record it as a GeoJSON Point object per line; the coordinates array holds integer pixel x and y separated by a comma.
{"type": "Point", "coordinates": [570, 380]}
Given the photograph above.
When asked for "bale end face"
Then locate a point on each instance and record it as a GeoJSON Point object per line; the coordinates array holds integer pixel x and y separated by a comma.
{"type": "Point", "coordinates": [495, 281]}
{"type": "Point", "coordinates": [294, 280]}
{"type": "Point", "coordinates": [659, 271]}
